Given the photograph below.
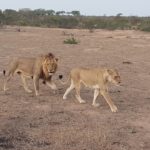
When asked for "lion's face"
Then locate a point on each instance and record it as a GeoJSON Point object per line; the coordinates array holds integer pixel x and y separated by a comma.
{"type": "Point", "coordinates": [113, 76]}
{"type": "Point", "coordinates": [50, 65]}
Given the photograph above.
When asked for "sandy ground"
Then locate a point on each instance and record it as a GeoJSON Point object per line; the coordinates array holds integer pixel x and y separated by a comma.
{"type": "Point", "coordinates": [47, 122]}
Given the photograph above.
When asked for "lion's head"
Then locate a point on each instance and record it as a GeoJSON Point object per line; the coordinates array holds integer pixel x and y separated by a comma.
{"type": "Point", "coordinates": [113, 76]}
{"type": "Point", "coordinates": [49, 65]}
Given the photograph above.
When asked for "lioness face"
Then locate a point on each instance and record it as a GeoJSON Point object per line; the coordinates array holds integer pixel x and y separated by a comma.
{"type": "Point", "coordinates": [51, 66]}
{"type": "Point", "coordinates": [114, 76]}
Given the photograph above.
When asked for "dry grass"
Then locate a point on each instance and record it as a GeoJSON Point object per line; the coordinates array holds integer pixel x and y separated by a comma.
{"type": "Point", "coordinates": [47, 122]}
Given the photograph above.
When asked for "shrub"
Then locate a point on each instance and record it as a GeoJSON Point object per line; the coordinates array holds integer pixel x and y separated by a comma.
{"type": "Point", "coordinates": [71, 40]}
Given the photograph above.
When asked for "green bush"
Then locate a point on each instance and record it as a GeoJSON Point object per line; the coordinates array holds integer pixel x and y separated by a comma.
{"type": "Point", "coordinates": [70, 20]}
{"type": "Point", "coordinates": [71, 40]}
{"type": "Point", "coordinates": [146, 28]}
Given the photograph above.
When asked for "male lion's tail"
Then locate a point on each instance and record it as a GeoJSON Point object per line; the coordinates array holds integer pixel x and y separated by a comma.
{"type": "Point", "coordinates": [60, 77]}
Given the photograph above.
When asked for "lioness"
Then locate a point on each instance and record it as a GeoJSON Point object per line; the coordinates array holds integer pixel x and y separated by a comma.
{"type": "Point", "coordinates": [95, 78]}
{"type": "Point", "coordinates": [41, 67]}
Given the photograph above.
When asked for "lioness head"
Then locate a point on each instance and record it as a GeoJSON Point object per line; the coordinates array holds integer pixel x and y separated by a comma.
{"type": "Point", "coordinates": [49, 64]}
{"type": "Point", "coordinates": [113, 76]}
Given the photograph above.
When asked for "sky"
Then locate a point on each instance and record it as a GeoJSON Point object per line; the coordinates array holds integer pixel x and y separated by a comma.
{"type": "Point", "coordinates": [86, 7]}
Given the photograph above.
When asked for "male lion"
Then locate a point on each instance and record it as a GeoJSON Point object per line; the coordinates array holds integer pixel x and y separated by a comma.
{"type": "Point", "coordinates": [41, 67]}
{"type": "Point", "coordinates": [95, 78]}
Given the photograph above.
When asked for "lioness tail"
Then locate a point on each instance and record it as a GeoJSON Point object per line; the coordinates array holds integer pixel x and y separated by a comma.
{"type": "Point", "coordinates": [4, 72]}
{"type": "Point", "coordinates": [60, 77]}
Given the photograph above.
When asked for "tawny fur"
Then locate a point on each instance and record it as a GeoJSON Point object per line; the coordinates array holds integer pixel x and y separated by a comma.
{"type": "Point", "coordinates": [95, 78]}
{"type": "Point", "coordinates": [41, 67]}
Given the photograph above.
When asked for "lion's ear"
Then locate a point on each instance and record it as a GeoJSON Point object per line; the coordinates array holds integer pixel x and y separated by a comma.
{"type": "Point", "coordinates": [110, 72]}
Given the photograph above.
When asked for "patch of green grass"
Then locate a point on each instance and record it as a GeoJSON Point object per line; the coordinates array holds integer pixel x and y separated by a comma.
{"type": "Point", "coordinates": [71, 40]}
{"type": "Point", "coordinates": [146, 28]}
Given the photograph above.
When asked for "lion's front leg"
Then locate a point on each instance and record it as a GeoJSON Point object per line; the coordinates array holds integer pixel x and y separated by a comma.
{"type": "Point", "coordinates": [96, 93]}
{"type": "Point", "coordinates": [109, 101]}
{"type": "Point", "coordinates": [36, 85]}
{"type": "Point", "coordinates": [52, 85]}
{"type": "Point", "coordinates": [77, 88]}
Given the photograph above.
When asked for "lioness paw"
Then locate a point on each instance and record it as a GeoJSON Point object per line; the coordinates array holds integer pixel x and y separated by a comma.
{"type": "Point", "coordinates": [29, 91]}
{"type": "Point", "coordinates": [82, 101]}
{"type": "Point", "coordinates": [114, 109]}
{"type": "Point", "coordinates": [37, 94]}
{"type": "Point", "coordinates": [96, 104]}
{"type": "Point", "coordinates": [6, 89]}
{"type": "Point", "coordinates": [64, 97]}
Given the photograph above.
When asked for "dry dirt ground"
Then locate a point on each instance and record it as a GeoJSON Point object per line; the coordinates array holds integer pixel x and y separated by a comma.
{"type": "Point", "coordinates": [47, 122]}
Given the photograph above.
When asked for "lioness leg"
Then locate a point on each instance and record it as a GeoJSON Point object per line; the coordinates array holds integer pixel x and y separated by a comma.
{"type": "Point", "coordinates": [77, 88]}
{"type": "Point", "coordinates": [36, 85]}
{"type": "Point", "coordinates": [52, 85]}
{"type": "Point", "coordinates": [69, 90]}
{"type": "Point", "coordinates": [96, 93]}
{"type": "Point", "coordinates": [25, 84]}
{"type": "Point", "coordinates": [6, 80]}
{"type": "Point", "coordinates": [109, 101]}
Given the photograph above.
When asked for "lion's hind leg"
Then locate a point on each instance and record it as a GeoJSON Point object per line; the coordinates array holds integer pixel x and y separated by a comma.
{"type": "Point", "coordinates": [25, 84]}
{"type": "Point", "coordinates": [6, 80]}
{"type": "Point", "coordinates": [5, 83]}
{"type": "Point", "coordinates": [77, 88]}
{"type": "Point", "coordinates": [36, 84]}
{"type": "Point", "coordinates": [69, 90]}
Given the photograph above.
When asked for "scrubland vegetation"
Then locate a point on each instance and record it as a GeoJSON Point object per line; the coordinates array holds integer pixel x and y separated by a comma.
{"type": "Point", "coordinates": [73, 19]}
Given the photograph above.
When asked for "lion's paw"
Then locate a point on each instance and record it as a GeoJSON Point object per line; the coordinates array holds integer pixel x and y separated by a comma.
{"type": "Point", "coordinates": [114, 109]}
{"type": "Point", "coordinates": [82, 101]}
{"type": "Point", "coordinates": [96, 104]}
